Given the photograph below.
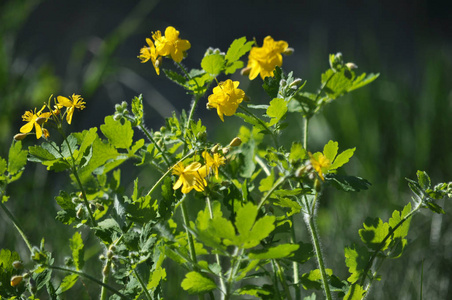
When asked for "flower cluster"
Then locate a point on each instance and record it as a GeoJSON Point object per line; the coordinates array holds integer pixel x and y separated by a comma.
{"type": "Point", "coordinates": [168, 45]}
{"type": "Point", "coordinates": [226, 98]}
{"type": "Point", "coordinates": [36, 120]}
{"type": "Point", "coordinates": [263, 60]}
{"type": "Point", "coordinates": [194, 175]}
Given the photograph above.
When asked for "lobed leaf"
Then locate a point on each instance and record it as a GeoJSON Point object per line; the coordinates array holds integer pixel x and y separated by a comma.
{"type": "Point", "coordinates": [356, 259]}
{"type": "Point", "coordinates": [374, 233]}
{"type": "Point", "coordinates": [77, 247]}
{"type": "Point", "coordinates": [277, 110]}
{"type": "Point", "coordinates": [196, 283]}
{"type": "Point", "coordinates": [119, 135]}
{"type": "Point", "coordinates": [279, 251]}
{"type": "Point", "coordinates": [213, 64]}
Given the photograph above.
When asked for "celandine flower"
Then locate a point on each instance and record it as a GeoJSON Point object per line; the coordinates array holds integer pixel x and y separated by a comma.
{"type": "Point", "coordinates": [213, 163]}
{"type": "Point", "coordinates": [150, 53]}
{"type": "Point", "coordinates": [170, 44]}
{"type": "Point", "coordinates": [35, 120]}
{"type": "Point", "coordinates": [226, 98]}
{"type": "Point", "coordinates": [263, 60]}
{"type": "Point", "coordinates": [190, 177]}
{"type": "Point", "coordinates": [320, 163]}
{"type": "Point", "coordinates": [71, 103]}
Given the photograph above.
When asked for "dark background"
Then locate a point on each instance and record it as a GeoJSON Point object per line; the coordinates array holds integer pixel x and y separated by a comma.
{"type": "Point", "coordinates": [399, 124]}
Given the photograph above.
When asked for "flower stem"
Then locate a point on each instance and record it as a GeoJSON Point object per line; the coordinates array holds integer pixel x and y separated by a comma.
{"type": "Point", "coordinates": [149, 136]}
{"type": "Point", "coordinates": [16, 223]}
{"type": "Point", "coordinates": [105, 277]}
{"type": "Point", "coordinates": [280, 273]}
{"type": "Point", "coordinates": [296, 269]}
{"type": "Point", "coordinates": [274, 187]}
{"type": "Point", "coordinates": [318, 252]}
{"type": "Point", "coordinates": [143, 285]}
{"type": "Point", "coordinates": [305, 135]}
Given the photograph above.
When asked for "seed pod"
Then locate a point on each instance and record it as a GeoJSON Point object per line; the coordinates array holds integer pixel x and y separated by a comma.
{"type": "Point", "coordinates": [215, 148]}
{"type": "Point", "coordinates": [317, 185]}
{"type": "Point", "coordinates": [17, 264]}
{"type": "Point", "coordinates": [245, 71]}
{"type": "Point", "coordinates": [225, 151]}
{"type": "Point", "coordinates": [289, 51]}
{"type": "Point", "coordinates": [20, 136]}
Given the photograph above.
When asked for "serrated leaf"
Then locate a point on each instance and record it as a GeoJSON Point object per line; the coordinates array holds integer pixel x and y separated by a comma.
{"type": "Point", "coordinates": [277, 110]}
{"type": "Point", "coordinates": [176, 77]}
{"type": "Point", "coordinates": [423, 179]}
{"type": "Point", "coordinates": [156, 277]}
{"type": "Point", "coordinates": [251, 120]}
{"type": "Point", "coordinates": [261, 229]}
{"type": "Point", "coordinates": [330, 150]}
{"type": "Point", "coordinates": [67, 283]}
{"type": "Point", "coordinates": [137, 108]}
{"type": "Point", "coordinates": [107, 230]}
{"type": "Point", "coordinates": [17, 158]}
{"type": "Point", "coordinates": [297, 152]}
{"type": "Point", "coordinates": [197, 283]}
{"type": "Point", "coordinates": [434, 207]}
{"type": "Point", "coordinates": [223, 228]}
{"type": "Point", "coordinates": [313, 279]}
{"type": "Point", "coordinates": [347, 183]}
{"type": "Point", "coordinates": [342, 159]}
{"type": "Point", "coordinates": [3, 166]}
{"type": "Point", "coordinates": [356, 259]}
{"type": "Point", "coordinates": [246, 215]}
{"type": "Point", "coordinates": [119, 135]}
{"type": "Point", "coordinates": [399, 235]}
{"type": "Point", "coordinates": [280, 251]}
{"type": "Point", "coordinates": [363, 80]}
{"type": "Point", "coordinates": [304, 252]}
{"type": "Point", "coordinates": [267, 183]}
{"type": "Point", "coordinates": [238, 48]}
{"type": "Point", "coordinates": [253, 290]}
{"type": "Point", "coordinates": [271, 84]}
{"type": "Point", "coordinates": [232, 67]}
{"type": "Point", "coordinates": [374, 233]}
{"type": "Point", "coordinates": [77, 247]}
{"type": "Point", "coordinates": [213, 64]}
{"type": "Point", "coordinates": [287, 203]}
{"type": "Point", "coordinates": [356, 292]}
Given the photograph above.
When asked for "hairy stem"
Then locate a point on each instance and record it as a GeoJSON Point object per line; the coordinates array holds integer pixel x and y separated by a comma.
{"type": "Point", "coordinates": [143, 285]}
{"type": "Point", "coordinates": [296, 270]}
{"type": "Point", "coordinates": [105, 277]}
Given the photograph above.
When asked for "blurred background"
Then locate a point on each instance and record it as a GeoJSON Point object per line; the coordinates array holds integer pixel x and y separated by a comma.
{"type": "Point", "coordinates": [399, 124]}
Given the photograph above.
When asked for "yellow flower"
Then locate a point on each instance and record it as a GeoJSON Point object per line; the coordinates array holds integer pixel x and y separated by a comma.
{"type": "Point", "coordinates": [214, 162]}
{"type": "Point", "coordinates": [71, 103]}
{"type": "Point", "coordinates": [226, 98]}
{"type": "Point", "coordinates": [34, 119]}
{"type": "Point", "coordinates": [320, 163]}
{"type": "Point", "coordinates": [190, 177]}
{"type": "Point", "coordinates": [263, 60]}
{"type": "Point", "coordinates": [170, 44]}
{"type": "Point", "coordinates": [149, 52]}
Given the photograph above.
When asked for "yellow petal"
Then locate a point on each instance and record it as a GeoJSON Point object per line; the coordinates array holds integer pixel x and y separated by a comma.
{"type": "Point", "coordinates": [64, 101]}
{"type": "Point", "coordinates": [27, 127]}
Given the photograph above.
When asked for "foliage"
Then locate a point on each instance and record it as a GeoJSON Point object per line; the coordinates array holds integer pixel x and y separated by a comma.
{"type": "Point", "coordinates": [252, 189]}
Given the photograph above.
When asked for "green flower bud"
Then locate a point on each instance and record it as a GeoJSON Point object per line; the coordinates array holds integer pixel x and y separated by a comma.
{"type": "Point", "coordinates": [235, 142]}
{"type": "Point", "coordinates": [17, 264]}
{"type": "Point", "coordinates": [16, 280]}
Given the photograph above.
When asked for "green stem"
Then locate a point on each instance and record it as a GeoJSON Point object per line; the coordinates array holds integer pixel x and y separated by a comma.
{"type": "Point", "coordinates": [318, 253]}
{"type": "Point", "coordinates": [149, 136]}
{"type": "Point", "coordinates": [167, 172]}
{"type": "Point", "coordinates": [305, 135]}
{"type": "Point", "coordinates": [16, 223]}
{"type": "Point", "coordinates": [105, 277]}
{"type": "Point", "coordinates": [383, 243]}
{"type": "Point", "coordinates": [217, 256]}
{"type": "Point", "coordinates": [143, 285]}
{"type": "Point", "coordinates": [274, 187]}
{"type": "Point", "coordinates": [191, 243]}
{"type": "Point", "coordinates": [275, 140]}
{"type": "Point", "coordinates": [296, 269]}
{"type": "Point", "coordinates": [235, 264]}
{"type": "Point", "coordinates": [111, 289]}
{"type": "Point", "coordinates": [283, 280]}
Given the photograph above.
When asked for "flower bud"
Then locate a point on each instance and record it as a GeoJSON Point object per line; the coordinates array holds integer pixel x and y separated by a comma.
{"type": "Point", "coordinates": [117, 117]}
{"type": "Point", "coordinates": [20, 136]}
{"type": "Point", "coordinates": [16, 280]}
{"type": "Point", "coordinates": [46, 133]}
{"type": "Point", "coordinates": [283, 82]}
{"type": "Point", "coordinates": [289, 51]}
{"type": "Point", "coordinates": [300, 171]}
{"type": "Point", "coordinates": [118, 108]}
{"type": "Point", "coordinates": [124, 104]}
{"type": "Point", "coordinates": [317, 185]}
{"type": "Point", "coordinates": [351, 65]}
{"type": "Point", "coordinates": [215, 148]}
{"type": "Point", "coordinates": [79, 213]}
{"type": "Point", "coordinates": [106, 270]}
{"type": "Point", "coordinates": [92, 206]}
{"type": "Point", "coordinates": [235, 142]}
{"type": "Point", "coordinates": [295, 83]}
{"type": "Point", "coordinates": [202, 136]}
{"type": "Point", "coordinates": [109, 254]}
{"type": "Point", "coordinates": [225, 151]}
{"type": "Point", "coordinates": [17, 264]}
{"type": "Point", "coordinates": [245, 71]}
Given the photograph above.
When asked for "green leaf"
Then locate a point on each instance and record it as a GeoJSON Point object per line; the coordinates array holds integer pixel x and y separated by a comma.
{"type": "Point", "coordinates": [313, 279]}
{"type": "Point", "coordinates": [253, 290]}
{"type": "Point", "coordinates": [399, 235]}
{"type": "Point", "coordinates": [232, 67]}
{"type": "Point", "coordinates": [175, 77]}
{"type": "Point", "coordinates": [137, 109]}
{"type": "Point", "coordinates": [261, 229]}
{"type": "Point", "coordinates": [267, 182]}
{"type": "Point", "coordinates": [330, 150]}
{"type": "Point", "coordinates": [374, 233]}
{"type": "Point", "coordinates": [238, 48]}
{"type": "Point", "coordinates": [356, 292]}
{"type": "Point", "coordinates": [356, 259]}
{"type": "Point", "coordinates": [3, 166]}
{"type": "Point", "coordinates": [197, 283]}
{"type": "Point", "coordinates": [287, 203]}
{"type": "Point", "coordinates": [246, 215]}
{"type": "Point", "coordinates": [107, 230]}
{"type": "Point", "coordinates": [213, 64]}
{"type": "Point", "coordinates": [347, 183]}
{"type": "Point", "coordinates": [85, 139]}
{"type": "Point", "coordinates": [363, 80]}
{"type": "Point", "coordinates": [277, 110]}
{"type": "Point", "coordinates": [280, 251]}
{"type": "Point", "coordinates": [297, 152]}
{"type": "Point", "coordinates": [17, 158]}
{"type": "Point", "coordinates": [251, 120]}
{"type": "Point", "coordinates": [119, 135]}
{"type": "Point", "coordinates": [271, 84]}
{"type": "Point", "coordinates": [77, 247]}
{"type": "Point", "coordinates": [157, 276]}
{"type": "Point", "coordinates": [67, 283]}
{"type": "Point", "coordinates": [344, 81]}
{"type": "Point", "coordinates": [342, 159]}
{"type": "Point", "coordinates": [304, 252]}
